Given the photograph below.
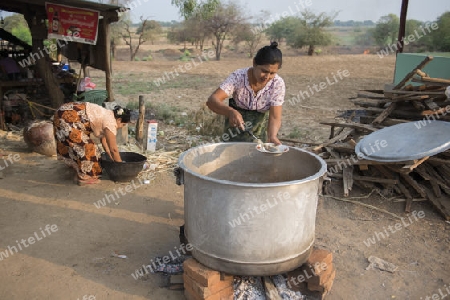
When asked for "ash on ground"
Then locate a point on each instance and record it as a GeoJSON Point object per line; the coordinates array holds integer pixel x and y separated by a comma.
{"type": "Point", "coordinates": [252, 288]}
{"type": "Point", "coordinates": [175, 266]}
{"type": "Point", "coordinates": [248, 288]}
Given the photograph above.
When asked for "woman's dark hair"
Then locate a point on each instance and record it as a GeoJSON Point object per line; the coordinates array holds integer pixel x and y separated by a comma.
{"type": "Point", "coordinates": [269, 55]}
{"type": "Point", "coordinates": [123, 113]}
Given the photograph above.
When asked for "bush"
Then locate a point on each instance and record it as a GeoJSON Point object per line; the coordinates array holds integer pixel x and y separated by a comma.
{"type": "Point", "coordinates": [186, 56]}
{"type": "Point", "coordinates": [148, 58]}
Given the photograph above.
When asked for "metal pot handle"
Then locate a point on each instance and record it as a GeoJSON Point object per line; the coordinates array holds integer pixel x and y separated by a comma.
{"type": "Point", "coordinates": [179, 174]}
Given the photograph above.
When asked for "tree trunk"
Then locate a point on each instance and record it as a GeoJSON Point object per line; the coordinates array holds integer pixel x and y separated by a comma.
{"type": "Point", "coordinates": [132, 54]}
{"type": "Point", "coordinates": [201, 44]}
{"type": "Point", "coordinates": [218, 46]}
{"type": "Point", "coordinates": [311, 50]}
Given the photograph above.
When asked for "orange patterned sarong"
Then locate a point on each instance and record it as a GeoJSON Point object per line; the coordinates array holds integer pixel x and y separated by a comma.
{"type": "Point", "coordinates": [74, 145]}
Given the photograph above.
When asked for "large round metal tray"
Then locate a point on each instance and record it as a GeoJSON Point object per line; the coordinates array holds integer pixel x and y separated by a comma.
{"type": "Point", "coordinates": [406, 141]}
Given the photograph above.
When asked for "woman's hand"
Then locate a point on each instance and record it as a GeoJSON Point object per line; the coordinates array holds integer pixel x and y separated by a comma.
{"type": "Point", "coordinates": [274, 140]}
{"type": "Point", "coordinates": [216, 104]}
{"type": "Point", "coordinates": [235, 119]}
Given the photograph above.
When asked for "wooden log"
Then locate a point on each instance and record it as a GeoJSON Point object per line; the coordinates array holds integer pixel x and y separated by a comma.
{"type": "Point", "coordinates": [331, 133]}
{"type": "Point", "coordinates": [367, 178]}
{"type": "Point", "coordinates": [368, 96]}
{"type": "Point", "coordinates": [421, 73]}
{"type": "Point", "coordinates": [353, 160]}
{"type": "Point", "coordinates": [408, 179]}
{"type": "Point", "coordinates": [385, 113]}
{"type": "Point", "coordinates": [417, 105]}
{"type": "Point", "coordinates": [271, 290]}
{"type": "Point", "coordinates": [359, 126]}
{"type": "Point", "coordinates": [431, 104]}
{"type": "Point", "coordinates": [347, 174]}
{"type": "Point", "coordinates": [436, 80]}
{"type": "Point", "coordinates": [415, 93]}
{"type": "Point", "coordinates": [421, 170]}
{"type": "Point", "coordinates": [439, 160]}
{"type": "Point", "coordinates": [386, 122]}
{"type": "Point", "coordinates": [413, 72]}
{"type": "Point", "coordinates": [409, 87]}
{"type": "Point", "coordinates": [367, 185]}
{"type": "Point", "coordinates": [434, 83]}
{"type": "Point", "coordinates": [333, 153]}
{"type": "Point", "coordinates": [442, 204]}
{"type": "Point", "coordinates": [412, 115]}
{"type": "Point", "coordinates": [342, 148]}
{"type": "Point", "coordinates": [369, 104]}
{"type": "Point", "coordinates": [373, 91]}
{"type": "Point", "coordinates": [390, 175]}
{"type": "Point", "coordinates": [429, 169]}
{"type": "Point", "coordinates": [408, 168]}
{"type": "Point", "coordinates": [344, 134]}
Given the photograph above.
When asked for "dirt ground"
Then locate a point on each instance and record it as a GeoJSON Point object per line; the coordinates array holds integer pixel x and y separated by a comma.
{"type": "Point", "coordinates": [76, 260]}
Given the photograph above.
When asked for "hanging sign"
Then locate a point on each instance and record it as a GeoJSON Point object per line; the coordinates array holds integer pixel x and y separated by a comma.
{"type": "Point", "coordinates": [72, 23]}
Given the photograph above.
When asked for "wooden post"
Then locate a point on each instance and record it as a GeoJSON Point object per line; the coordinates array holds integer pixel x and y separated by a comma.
{"type": "Point", "coordinates": [140, 121]}
{"type": "Point", "coordinates": [105, 27]}
{"type": "Point", "coordinates": [402, 28]}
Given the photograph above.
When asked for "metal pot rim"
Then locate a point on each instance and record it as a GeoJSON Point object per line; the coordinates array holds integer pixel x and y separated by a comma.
{"type": "Point", "coordinates": [318, 174]}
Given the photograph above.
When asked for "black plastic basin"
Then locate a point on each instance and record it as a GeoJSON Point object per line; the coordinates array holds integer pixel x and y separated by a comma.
{"type": "Point", "coordinates": [123, 171]}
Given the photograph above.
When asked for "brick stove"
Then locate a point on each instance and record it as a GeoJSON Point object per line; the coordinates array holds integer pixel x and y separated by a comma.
{"type": "Point", "coordinates": [313, 279]}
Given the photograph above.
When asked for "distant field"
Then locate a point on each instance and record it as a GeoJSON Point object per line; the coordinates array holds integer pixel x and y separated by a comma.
{"type": "Point", "coordinates": [346, 36]}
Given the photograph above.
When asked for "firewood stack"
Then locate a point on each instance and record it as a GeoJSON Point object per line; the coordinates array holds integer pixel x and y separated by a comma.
{"type": "Point", "coordinates": [424, 179]}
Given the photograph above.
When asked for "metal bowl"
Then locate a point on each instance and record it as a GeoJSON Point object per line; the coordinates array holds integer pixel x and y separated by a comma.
{"type": "Point", "coordinates": [123, 171]}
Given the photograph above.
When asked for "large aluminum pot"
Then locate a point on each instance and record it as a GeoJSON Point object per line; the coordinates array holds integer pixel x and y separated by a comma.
{"type": "Point", "coordinates": [247, 212]}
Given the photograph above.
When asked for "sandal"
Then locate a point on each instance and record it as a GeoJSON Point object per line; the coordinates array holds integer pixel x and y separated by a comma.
{"type": "Point", "coordinates": [82, 182]}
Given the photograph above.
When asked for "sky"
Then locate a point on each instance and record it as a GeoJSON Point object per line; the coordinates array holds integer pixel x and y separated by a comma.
{"type": "Point", "coordinates": [358, 10]}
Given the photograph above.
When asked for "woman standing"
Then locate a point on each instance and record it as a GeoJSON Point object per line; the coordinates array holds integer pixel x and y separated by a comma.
{"type": "Point", "coordinates": [73, 123]}
{"type": "Point", "coordinates": [257, 97]}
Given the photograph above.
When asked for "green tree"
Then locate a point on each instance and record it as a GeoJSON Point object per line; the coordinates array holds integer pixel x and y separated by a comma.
{"type": "Point", "coordinates": [283, 28]}
{"type": "Point", "coordinates": [250, 35]}
{"type": "Point", "coordinates": [18, 26]}
{"type": "Point", "coordinates": [222, 23]}
{"type": "Point", "coordinates": [127, 35]}
{"type": "Point", "coordinates": [14, 21]}
{"type": "Point", "coordinates": [188, 8]}
{"type": "Point", "coordinates": [441, 36]}
{"type": "Point", "coordinates": [180, 33]}
{"type": "Point", "coordinates": [151, 31]}
{"type": "Point", "coordinates": [195, 30]}
{"type": "Point", "coordinates": [311, 31]}
{"type": "Point", "coordinates": [23, 33]}
{"type": "Point", "coordinates": [386, 30]}
{"type": "Point", "coordinates": [195, 14]}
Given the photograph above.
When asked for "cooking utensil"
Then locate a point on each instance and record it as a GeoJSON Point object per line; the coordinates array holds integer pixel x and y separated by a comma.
{"type": "Point", "coordinates": [270, 148]}
{"type": "Point", "coordinates": [250, 132]}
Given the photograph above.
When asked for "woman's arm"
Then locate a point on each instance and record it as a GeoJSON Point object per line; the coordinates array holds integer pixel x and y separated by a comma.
{"type": "Point", "coordinates": [216, 104]}
{"type": "Point", "coordinates": [106, 147]}
{"type": "Point", "coordinates": [274, 124]}
{"type": "Point", "coordinates": [111, 144]}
